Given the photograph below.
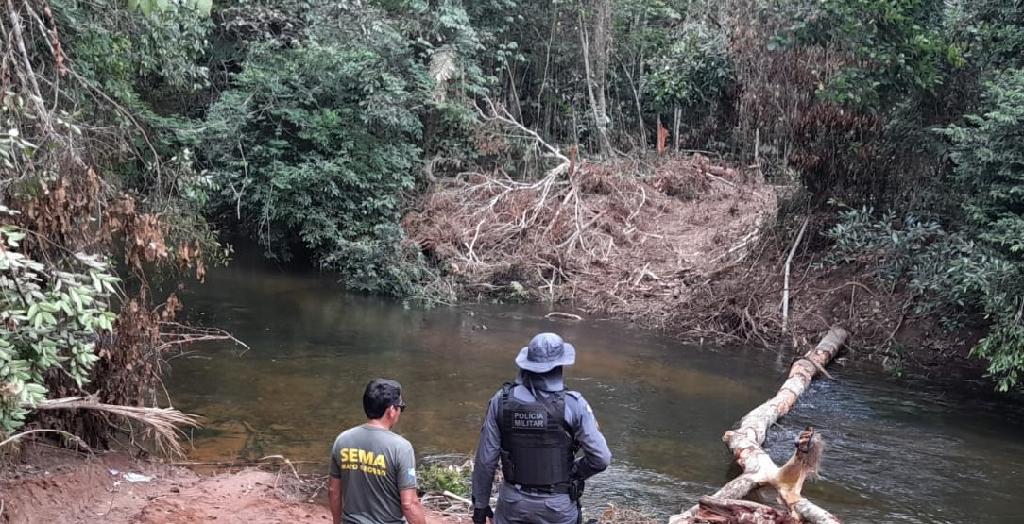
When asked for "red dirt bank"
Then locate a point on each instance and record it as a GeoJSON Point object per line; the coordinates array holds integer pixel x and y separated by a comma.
{"type": "Point", "coordinates": [66, 487]}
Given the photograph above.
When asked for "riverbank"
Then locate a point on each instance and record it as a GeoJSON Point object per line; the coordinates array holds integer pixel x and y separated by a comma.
{"type": "Point", "coordinates": [48, 484]}
{"type": "Point", "coordinates": [688, 246]}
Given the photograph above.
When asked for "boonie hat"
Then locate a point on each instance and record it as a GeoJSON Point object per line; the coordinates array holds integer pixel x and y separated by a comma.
{"type": "Point", "coordinates": [546, 352]}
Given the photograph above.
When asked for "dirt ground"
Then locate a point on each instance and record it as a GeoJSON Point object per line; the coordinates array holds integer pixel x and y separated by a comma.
{"type": "Point", "coordinates": [49, 485]}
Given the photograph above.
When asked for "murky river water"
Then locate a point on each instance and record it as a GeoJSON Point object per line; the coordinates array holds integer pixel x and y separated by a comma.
{"type": "Point", "coordinates": [897, 453]}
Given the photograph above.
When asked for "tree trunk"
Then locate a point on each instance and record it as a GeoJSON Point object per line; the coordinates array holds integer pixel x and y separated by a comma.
{"type": "Point", "coordinates": [596, 45]}
{"type": "Point", "coordinates": [745, 442]}
{"type": "Point", "coordinates": [639, 106]}
{"type": "Point", "coordinates": [677, 115]}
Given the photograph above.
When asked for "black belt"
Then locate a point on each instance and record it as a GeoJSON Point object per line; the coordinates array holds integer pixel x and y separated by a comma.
{"type": "Point", "coordinates": [552, 489]}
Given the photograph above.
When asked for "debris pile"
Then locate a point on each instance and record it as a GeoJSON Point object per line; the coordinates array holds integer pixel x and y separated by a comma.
{"type": "Point", "coordinates": [618, 237]}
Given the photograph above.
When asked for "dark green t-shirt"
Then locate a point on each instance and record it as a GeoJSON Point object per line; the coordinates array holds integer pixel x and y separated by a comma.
{"type": "Point", "coordinates": [373, 464]}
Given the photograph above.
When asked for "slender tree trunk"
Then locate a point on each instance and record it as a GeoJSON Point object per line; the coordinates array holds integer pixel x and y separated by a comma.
{"type": "Point", "coordinates": [596, 45]}
{"type": "Point", "coordinates": [547, 65]}
{"type": "Point", "coordinates": [639, 106]}
{"type": "Point", "coordinates": [676, 116]}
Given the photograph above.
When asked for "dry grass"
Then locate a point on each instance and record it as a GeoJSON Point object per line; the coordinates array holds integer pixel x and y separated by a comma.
{"type": "Point", "coordinates": [161, 424]}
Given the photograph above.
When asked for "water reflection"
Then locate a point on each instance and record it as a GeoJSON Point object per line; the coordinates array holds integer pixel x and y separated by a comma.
{"type": "Point", "coordinates": [894, 456]}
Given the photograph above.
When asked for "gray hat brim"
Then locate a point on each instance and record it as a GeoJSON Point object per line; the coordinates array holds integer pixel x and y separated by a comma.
{"type": "Point", "coordinates": [568, 359]}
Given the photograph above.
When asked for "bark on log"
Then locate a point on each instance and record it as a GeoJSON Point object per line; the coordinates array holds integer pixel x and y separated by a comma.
{"type": "Point", "coordinates": [745, 442]}
{"type": "Point", "coordinates": [727, 511]}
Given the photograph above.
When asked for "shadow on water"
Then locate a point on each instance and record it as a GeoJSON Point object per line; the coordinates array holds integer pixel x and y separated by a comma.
{"type": "Point", "coordinates": [897, 454]}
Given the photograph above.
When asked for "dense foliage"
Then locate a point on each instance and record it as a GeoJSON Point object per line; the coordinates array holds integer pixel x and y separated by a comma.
{"type": "Point", "coordinates": [309, 126]}
{"type": "Point", "coordinates": [96, 192]}
{"type": "Point", "coordinates": [890, 49]}
{"type": "Point", "coordinates": [989, 155]}
{"type": "Point", "coordinates": [948, 75]}
{"type": "Point", "coordinates": [318, 142]}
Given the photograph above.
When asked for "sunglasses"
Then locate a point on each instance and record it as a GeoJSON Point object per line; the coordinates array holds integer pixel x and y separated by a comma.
{"type": "Point", "coordinates": [401, 406]}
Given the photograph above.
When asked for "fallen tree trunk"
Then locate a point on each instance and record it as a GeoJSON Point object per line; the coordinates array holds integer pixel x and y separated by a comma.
{"type": "Point", "coordinates": [745, 442]}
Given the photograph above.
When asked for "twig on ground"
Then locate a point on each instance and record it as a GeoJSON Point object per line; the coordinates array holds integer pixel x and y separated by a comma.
{"type": "Point", "coordinates": [720, 179]}
{"type": "Point", "coordinates": [837, 288]}
{"type": "Point", "coordinates": [899, 322]}
{"type": "Point", "coordinates": [286, 461]}
{"type": "Point", "coordinates": [234, 463]}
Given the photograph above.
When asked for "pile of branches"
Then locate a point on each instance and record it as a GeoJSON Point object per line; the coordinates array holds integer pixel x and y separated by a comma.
{"type": "Point", "coordinates": [620, 236]}
{"type": "Point", "coordinates": [522, 236]}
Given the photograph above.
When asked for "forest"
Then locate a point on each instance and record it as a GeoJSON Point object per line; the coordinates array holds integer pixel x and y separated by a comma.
{"type": "Point", "coordinates": [882, 140]}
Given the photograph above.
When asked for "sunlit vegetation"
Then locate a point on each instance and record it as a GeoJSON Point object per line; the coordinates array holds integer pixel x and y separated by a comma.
{"type": "Point", "coordinates": [136, 136]}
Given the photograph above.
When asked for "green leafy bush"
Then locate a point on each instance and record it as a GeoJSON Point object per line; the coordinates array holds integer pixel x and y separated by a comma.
{"type": "Point", "coordinates": [890, 48]}
{"type": "Point", "coordinates": [892, 246]}
{"type": "Point", "coordinates": [315, 144]}
{"type": "Point", "coordinates": [953, 277]}
{"type": "Point", "coordinates": [436, 478]}
{"type": "Point", "coordinates": [49, 320]}
{"type": "Point", "coordinates": [694, 71]}
{"type": "Point", "coordinates": [988, 153]}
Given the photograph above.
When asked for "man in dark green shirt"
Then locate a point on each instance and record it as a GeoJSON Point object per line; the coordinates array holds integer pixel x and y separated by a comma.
{"type": "Point", "coordinates": [373, 471]}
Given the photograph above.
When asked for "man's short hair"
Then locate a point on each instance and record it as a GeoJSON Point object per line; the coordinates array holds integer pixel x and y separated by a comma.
{"type": "Point", "coordinates": [380, 394]}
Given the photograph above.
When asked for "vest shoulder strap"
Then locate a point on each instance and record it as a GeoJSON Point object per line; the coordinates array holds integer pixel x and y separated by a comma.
{"type": "Point", "coordinates": [552, 408]}
{"type": "Point", "coordinates": [506, 391]}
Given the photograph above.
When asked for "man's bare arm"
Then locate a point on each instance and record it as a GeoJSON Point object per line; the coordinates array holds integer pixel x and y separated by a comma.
{"type": "Point", "coordinates": [411, 507]}
{"type": "Point", "coordinates": [337, 500]}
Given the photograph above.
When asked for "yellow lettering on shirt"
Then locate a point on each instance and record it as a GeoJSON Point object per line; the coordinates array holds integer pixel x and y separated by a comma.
{"type": "Point", "coordinates": [362, 460]}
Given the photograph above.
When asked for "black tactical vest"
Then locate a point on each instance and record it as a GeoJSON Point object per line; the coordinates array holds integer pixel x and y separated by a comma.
{"type": "Point", "coordinates": [536, 446]}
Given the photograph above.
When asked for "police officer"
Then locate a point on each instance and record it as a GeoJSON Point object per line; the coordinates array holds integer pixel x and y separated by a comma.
{"type": "Point", "coordinates": [536, 428]}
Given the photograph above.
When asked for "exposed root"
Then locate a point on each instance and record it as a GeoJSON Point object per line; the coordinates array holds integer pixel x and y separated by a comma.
{"type": "Point", "coordinates": [162, 423]}
{"type": "Point", "coordinates": [70, 436]}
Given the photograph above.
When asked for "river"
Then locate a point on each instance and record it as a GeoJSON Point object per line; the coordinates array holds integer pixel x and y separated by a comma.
{"type": "Point", "coordinates": [898, 451]}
